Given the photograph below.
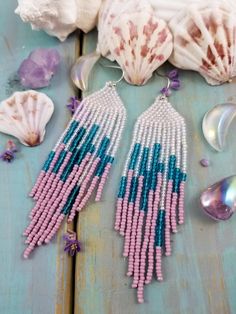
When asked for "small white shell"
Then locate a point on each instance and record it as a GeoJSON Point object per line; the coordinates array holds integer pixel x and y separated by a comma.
{"type": "Point", "coordinates": [25, 115]}
{"type": "Point", "coordinates": [205, 41]}
{"type": "Point", "coordinates": [140, 43]}
{"type": "Point", "coordinates": [59, 18]}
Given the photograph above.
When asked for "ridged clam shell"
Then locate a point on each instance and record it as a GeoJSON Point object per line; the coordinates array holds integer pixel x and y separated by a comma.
{"type": "Point", "coordinates": [25, 115]}
{"type": "Point", "coordinates": [205, 41]}
{"type": "Point", "coordinates": [140, 42]}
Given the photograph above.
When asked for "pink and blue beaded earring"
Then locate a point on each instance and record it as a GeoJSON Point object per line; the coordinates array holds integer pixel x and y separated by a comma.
{"type": "Point", "coordinates": [151, 195]}
{"type": "Point", "coordinates": [79, 164]}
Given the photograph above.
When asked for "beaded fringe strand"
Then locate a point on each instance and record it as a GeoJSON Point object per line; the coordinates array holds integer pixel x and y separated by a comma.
{"type": "Point", "coordinates": [151, 195]}
{"type": "Point", "coordinates": [79, 163]}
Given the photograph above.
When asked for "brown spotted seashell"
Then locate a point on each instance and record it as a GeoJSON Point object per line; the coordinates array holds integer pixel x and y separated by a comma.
{"type": "Point", "coordinates": [25, 115]}
{"type": "Point", "coordinates": [140, 42]}
{"type": "Point", "coordinates": [205, 41]}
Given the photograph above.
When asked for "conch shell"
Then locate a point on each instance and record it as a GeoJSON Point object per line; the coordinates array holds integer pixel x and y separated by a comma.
{"type": "Point", "coordinates": [25, 115]}
{"type": "Point", "coordinates": [205, 41]}
{"type": "Point", "coordinates": [59, 18]}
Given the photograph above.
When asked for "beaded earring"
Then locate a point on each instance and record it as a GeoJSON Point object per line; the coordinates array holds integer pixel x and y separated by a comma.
{"type": "Point", "coordinates": [79, 164]}
{"type": "Point", "coordinates": [151, 195]}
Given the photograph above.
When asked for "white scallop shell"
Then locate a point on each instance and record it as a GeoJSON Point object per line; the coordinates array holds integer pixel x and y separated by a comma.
{"type": "Point", "coordinates": [205, 41]}
{"type": "Point", "coordinates": [25, 115]}
{"type": "Point", "coordinates": [140, 42]}
{"type": "Point", "coordinates": [110, 10]}
{"type": "Point", "coordinates": [167, 9]}
{"type": "Point", "coordinates": [59, 18]}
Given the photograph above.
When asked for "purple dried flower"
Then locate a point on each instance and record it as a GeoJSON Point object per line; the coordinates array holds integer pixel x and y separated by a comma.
{"type": "Point", "coordinates": [175, 84]}
{"type": "Point", "coordinates": [73, 104]}
{"type": "Point", "coordinates": [166, 91]}
{"type": "Point", "coordinates": [173, 74]}
{"type": "Point", "coordinates": [72, 245]}
{"type": "Point", "coordinates": [9, 154]}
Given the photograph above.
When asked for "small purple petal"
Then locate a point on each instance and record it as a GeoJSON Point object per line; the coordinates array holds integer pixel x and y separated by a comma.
{"type": "Point", "coordinates": [175, 84]}
{"type": "Point", "coordinates": [7, 156]}
{"type": "Point", "coordinates": [173, 74]}
{"type": "Point", "coordinates": [73, 104]}
{"type": "Point", "coordinates": [166, 91]}
{"type": "Point", "coordinates": [72, 245]}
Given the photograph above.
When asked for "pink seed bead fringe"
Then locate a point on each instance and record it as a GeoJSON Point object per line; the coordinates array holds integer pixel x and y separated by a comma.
{"type": "Point", "coordinates": [102, 117]}
{"type": "Point", "coordinates": [37, 184]}
{"type": "Point", "coordinates": [137, 249]}
{"type": "Point", "coordinates": [128, 229]}
{"type": "Point", "coordinates": [134, 226]}
{"type": "Point", "coordinates": [173, 212]}
{"type": "Point", "coordinates": [159, 263]}
{"type": "Point", "coordinates": [150, 266]}
{"type": "Point", "coordinates": [102, 182]}
{"type": "Point", "coordinates": [181, 203]}
{"type": "Point", "coordinates": [167, 218]}
{"type": "Point", "coordinates": [125, 203]}
{"type": "Point", "coordinates": [42, 183]}
{"type": "Point", "coordinates": [146, 240]}
{"type": "Point", "coordinates": [118, 213]}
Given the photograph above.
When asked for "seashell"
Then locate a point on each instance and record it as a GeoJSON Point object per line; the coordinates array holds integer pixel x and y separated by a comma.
{"type": "Point", "coordinates": [166, 10]}
{"type": "Point", "coordinates": [109, 10]}
{"type": "Point", "coordinates": [216, 123]}
{"type": "Point", "coordinates": [205, 41]}
{"type": "Point", "coordinates": [59, 18]}
{"type": "Point", "coordinates": [140, 43]}
{"type": "Point", "coordinates": [219, 200]}
{"type": "Point", "coordinates": [82, 68]}
{"type": "Point", "coordinates": [25, 115]}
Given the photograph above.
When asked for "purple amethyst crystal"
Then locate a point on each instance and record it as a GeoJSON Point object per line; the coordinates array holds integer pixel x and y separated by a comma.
{"type": "Point", "coordinates": [37, 70]}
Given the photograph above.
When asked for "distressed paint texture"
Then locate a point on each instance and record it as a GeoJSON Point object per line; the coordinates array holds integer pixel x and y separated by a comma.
{"type": "Point", "coordinates": [41, 284]}
{"type": "Point", "coordinates": [200, 276]}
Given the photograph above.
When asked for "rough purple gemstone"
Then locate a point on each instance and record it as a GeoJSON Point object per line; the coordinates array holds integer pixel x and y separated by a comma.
{"type": "Point", "coordinates": [219, 200]}
{"type": "Point", "coordinates": [37, 70]}
{"type": "Point", "coordinates": [204, 162]}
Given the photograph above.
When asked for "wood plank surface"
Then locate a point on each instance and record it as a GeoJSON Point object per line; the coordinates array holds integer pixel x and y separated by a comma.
{"type": "Point", "coordinates": [42, 284]}
{"type": "Point", "coordinates": [200, 276]}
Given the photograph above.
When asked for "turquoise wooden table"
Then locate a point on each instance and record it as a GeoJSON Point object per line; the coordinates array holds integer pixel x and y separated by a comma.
{"type": "Point", "coordinates": [41, 284]}
{"type": "Point", "coordinates": [200, 277]}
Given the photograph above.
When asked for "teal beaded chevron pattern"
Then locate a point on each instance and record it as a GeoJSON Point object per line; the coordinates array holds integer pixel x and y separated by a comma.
{"type": "Point", "coordinates": [78, 165]}
{"type": "Point", "coordinates": [151, 195]}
